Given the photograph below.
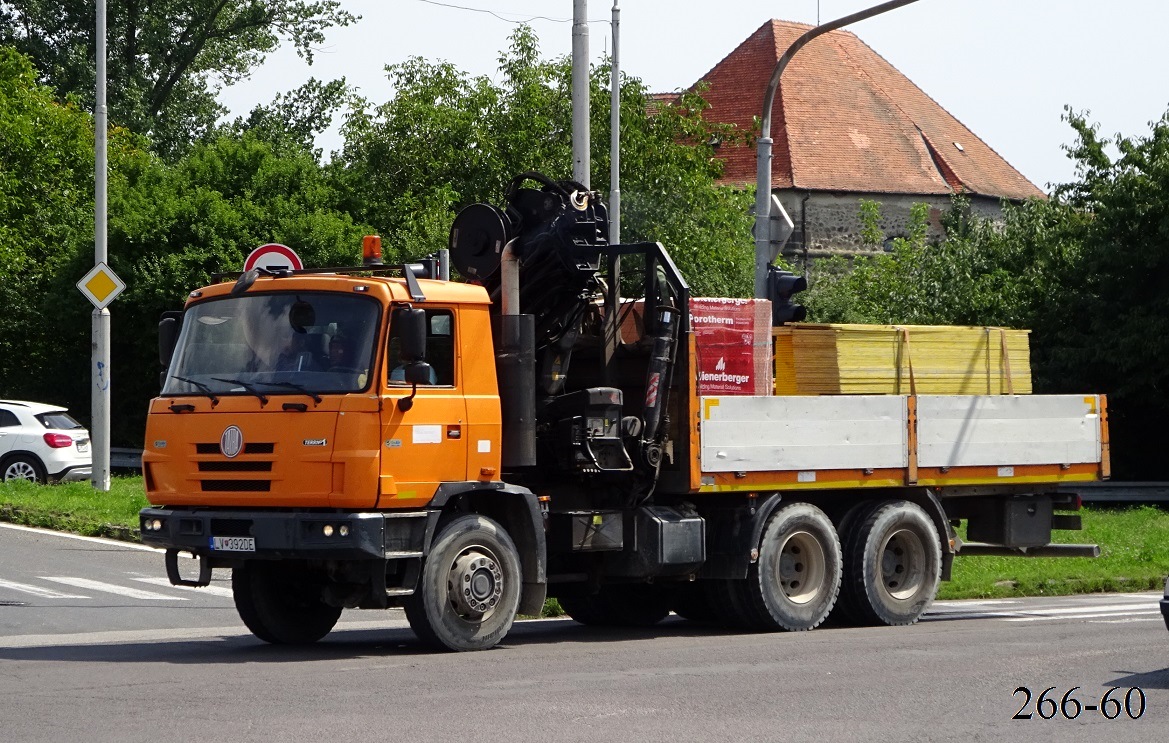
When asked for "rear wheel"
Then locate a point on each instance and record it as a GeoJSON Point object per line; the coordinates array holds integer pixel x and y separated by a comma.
{"type": "Point", "coordinates": [893, 564]}
{"type": "Point", "coordinates": [281, 603]}
{"type": "Point", "coordinates": [794, 583]}
{"type": "Point", "coordinates": [469, 591]}
{"type": "Point", "coordinates": [23, 467]}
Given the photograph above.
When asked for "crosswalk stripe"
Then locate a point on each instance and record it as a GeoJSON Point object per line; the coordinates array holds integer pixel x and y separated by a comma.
{"type": "Point", "coordinates": [212, 590]}
{"type": "Point", "coordinates": [126, 591]}
{"type": "Point", "coordinates": [44, 593]}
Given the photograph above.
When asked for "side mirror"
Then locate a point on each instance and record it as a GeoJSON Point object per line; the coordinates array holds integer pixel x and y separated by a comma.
{"type": "Point", "coordinates": [419, 372]}
{"type": "Point", "coordinates": [410, 327]}
{"type": "Point", "coordinates": [168, 336]}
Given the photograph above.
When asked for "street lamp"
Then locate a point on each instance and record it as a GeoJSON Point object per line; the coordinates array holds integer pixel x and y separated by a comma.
{"type": "Point", "coordinates": [763, 157]}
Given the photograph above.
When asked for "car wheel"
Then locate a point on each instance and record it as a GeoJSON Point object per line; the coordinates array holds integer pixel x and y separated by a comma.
{"type": "Point", "coordinates": [23, 467]}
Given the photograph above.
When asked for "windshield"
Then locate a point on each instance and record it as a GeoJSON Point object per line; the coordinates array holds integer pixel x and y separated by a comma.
{"type": "Point", "coordinates": [275, 344]}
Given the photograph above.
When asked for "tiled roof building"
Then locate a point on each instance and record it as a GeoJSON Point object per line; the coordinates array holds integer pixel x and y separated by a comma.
{"type": "Point", "coordinates": [847, 125]}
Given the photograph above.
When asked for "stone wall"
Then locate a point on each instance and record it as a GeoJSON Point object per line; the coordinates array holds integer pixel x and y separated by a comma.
{"type": "Point", "coordinates": [833, 224]}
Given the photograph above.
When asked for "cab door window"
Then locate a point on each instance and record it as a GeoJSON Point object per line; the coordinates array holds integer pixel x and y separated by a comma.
{"type": "Point", "coordinates": [440, 350]}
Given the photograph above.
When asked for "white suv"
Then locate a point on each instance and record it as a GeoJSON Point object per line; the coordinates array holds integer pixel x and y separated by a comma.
{"type": "Point", "coordinates": [42, 443]}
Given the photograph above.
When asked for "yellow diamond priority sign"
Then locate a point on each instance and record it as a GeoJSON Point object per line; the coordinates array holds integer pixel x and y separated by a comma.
{"type": "Point", "coordinates": [101, 286]}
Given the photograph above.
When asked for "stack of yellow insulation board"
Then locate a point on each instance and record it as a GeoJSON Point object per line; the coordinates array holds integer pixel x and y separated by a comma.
{"type": "Point", "coordinates": [815, 359]}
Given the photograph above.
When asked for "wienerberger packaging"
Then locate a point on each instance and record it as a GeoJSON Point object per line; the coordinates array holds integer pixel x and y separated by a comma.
{"type": "Point", "coordinates": [733, 338]}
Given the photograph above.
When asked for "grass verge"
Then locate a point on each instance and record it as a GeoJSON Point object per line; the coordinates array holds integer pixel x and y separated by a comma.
{"type": "Point", "coordinates": [1134, 542]}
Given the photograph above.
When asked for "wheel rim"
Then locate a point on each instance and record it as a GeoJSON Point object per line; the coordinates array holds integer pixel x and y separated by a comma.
{"type": "Point", "coordinates": [20, 471]}
{"type": "Point", "coordinates": [802, 567]}
{"type": "Point", "coordinates": [475, 584]}
{"type": "Point", "coordinates": [903, 564]}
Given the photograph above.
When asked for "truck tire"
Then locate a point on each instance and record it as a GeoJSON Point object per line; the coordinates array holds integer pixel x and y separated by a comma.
{"type": "Point", "coordinates": [847, 610]}
{"type": "Point", "coordinates": [618, 604]}
{"type": "Point", "coordinates": [279, 605]}
{"type": "Point", "coordinates": [794, 583]}
{"type": "Point", "coordinates": [893, 564]}
{"type": "Point", "coordinates": [469, 590]}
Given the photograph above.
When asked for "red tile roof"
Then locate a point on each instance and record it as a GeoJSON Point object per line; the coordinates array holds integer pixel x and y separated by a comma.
{"type": "Point", "coordinates": [846, 120]}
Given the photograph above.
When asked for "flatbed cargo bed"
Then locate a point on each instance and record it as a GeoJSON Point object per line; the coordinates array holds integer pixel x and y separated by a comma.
{"type": "Point", "coordinates": [752, 443]}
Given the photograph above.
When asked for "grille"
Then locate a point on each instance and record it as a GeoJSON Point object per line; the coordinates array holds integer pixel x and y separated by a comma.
{"type": "Point", "coordinates": [232, 466]}
{"type": "Point", "coordinates": [237, 486]}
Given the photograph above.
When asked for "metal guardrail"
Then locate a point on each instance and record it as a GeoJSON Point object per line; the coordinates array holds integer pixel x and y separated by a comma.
{"type": "Point", "coordinates": [1120, 492]}
{"type": "Point", "coordinates": [122, 458]}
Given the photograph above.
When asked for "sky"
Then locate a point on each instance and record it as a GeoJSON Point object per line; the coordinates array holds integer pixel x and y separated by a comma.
{"type": "Point", "coordinates": [1004, 68]}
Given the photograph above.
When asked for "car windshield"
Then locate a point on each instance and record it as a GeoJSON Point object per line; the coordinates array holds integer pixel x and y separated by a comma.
{"type": "Point", "coordinates": [58, 420]}
{"type": "Point", "coordinates": [275, 344]}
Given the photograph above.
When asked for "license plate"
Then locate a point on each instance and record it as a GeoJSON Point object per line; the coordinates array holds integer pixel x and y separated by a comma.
{"type": "Point", "coordinates": [233, 544]}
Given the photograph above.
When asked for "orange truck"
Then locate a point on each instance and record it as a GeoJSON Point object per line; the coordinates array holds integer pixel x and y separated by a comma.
{"type": "Point", "coordinates": [378, 437]}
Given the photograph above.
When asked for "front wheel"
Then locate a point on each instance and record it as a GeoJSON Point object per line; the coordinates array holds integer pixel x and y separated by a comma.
{"type": "Point", "coordinates": [281, 603]}
{"type": "Point", "coordinates": [469, 591]}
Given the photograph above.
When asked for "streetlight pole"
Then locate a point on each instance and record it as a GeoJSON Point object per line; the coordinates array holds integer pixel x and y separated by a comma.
{"type": "Point", "coordinates": [763, 150]}
{"type": "Point", "coordinates": [580, 92]}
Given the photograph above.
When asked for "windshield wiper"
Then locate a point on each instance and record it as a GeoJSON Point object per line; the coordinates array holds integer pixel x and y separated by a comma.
{"type": "Point", "coordinates": [298, 387]}
{"type": "Point", "coordinates": [249, 388]}
{"type": "Point", "coordinates": [201, 387]}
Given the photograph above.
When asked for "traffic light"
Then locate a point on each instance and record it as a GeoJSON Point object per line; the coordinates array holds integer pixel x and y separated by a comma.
{"type": "Point", "coordinates": [781, 285]}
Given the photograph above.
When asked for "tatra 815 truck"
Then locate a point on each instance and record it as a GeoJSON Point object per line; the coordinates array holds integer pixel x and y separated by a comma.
{"type": "Point", "coordinates": [377, 437]}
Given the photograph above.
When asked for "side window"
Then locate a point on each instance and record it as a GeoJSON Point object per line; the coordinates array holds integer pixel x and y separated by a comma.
{"type": "Point", "coordinates": [8, 419]}
{"type": "Point", "coordinates": [440, 349]}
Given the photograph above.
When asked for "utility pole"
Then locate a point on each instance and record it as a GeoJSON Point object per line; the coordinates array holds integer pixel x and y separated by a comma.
{"type": "Point", "coordinates": [580, 92]}
{"type": "Point", "coordinates": [763, 153]}
{"type": "Point", "coordinates": [100, 370]}
{"type": "Point", "coordinates": [615, 133]}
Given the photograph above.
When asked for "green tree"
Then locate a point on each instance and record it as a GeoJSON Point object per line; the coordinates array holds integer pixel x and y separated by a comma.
{"type": "Point", "coordinates": [448, 139]}
{"type": "Point", "coordinates": [46, 220]}
{"type": "Point", "coordinates": [167, 59]}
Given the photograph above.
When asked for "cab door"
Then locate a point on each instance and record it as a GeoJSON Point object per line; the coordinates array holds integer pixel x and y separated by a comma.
{"type": "Point", "coordinates": [425, 445]}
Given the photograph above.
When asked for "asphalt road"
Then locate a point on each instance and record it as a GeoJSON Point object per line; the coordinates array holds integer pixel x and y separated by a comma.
{"type": "Point", "coordinates": [92, 648]}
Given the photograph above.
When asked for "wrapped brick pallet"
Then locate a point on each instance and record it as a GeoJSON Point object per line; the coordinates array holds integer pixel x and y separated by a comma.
{"type": "Point", "coordinates": [820, 359]}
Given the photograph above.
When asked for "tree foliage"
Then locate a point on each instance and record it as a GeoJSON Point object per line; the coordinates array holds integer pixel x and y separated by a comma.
{"type": "Point", "coordinates": [448, 139]}
{"type": "Point", "coordinates": [166, 59]}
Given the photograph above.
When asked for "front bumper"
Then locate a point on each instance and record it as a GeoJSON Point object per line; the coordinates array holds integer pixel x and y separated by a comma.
{"type": "Point", "coordinates": [287, 535]}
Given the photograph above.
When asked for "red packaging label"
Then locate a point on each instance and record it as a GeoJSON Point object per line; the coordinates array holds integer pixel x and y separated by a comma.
{"type": "Point", "coordinates": [732, 336]}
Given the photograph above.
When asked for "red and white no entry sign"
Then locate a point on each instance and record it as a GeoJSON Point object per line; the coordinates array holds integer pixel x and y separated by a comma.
{"type": "Point", "coordinates": [274, 257]}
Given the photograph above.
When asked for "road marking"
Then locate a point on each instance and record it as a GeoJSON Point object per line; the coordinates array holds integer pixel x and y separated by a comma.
{"type": "Point", "coordinates": [211, 590]}
{"type": "Point", "coordinates": [37, 591]}
{"type": "Point", "coordinates": [1086, 614]}
{"type": "Point", "coordinates": [95, 585]}
{"type": "Point", "coordinates": [110, 637]}
{"type": "Point", "coordinates": [95, 540]}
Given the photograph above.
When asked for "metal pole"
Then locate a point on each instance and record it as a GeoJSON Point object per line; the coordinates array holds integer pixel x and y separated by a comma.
{"type": "Point", "coordinates": [615, 133]}
{"type": "Point", "coordinates": [613, 300]}
{"type": "Point", "coordinates": [763, 151]}
{"type": "Point", "coordinates": [100, 402]}
{"type": "Point", "coordinates": [580, 92]}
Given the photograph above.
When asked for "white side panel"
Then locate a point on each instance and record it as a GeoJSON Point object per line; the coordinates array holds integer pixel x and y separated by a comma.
{"type": "Point", "coordinates": [975, 430]}
{"type": "Point", "coordinates": [756, 434]}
